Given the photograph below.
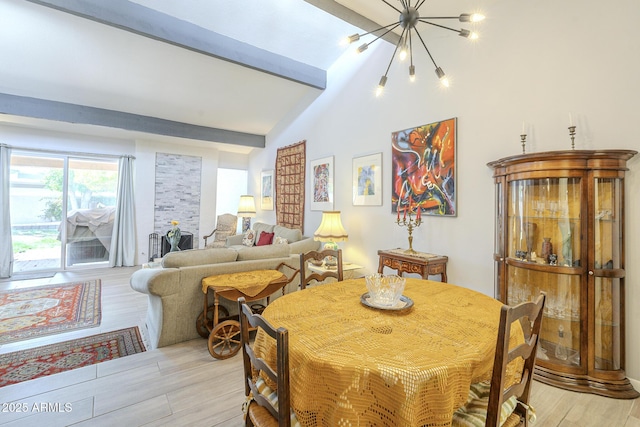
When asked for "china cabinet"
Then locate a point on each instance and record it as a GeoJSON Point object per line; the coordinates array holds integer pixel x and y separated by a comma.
{"type": "Point", "coordinates": [560, 229]}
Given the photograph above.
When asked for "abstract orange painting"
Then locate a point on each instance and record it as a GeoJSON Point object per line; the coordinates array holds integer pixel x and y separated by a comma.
{"type": "Point", "coordinates": [424, 169]}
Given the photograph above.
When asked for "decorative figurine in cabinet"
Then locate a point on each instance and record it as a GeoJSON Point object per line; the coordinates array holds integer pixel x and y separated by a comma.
{"type": "Point", "coordinates": [560, 229]}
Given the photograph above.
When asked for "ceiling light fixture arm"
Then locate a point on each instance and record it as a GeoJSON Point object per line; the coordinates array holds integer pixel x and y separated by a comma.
{"type": "Point", "coordinates": [426, 48]}
{"type": "Point", "coordinates": [404, 30]}
{"type": "Point", "coordinates": [461, 32]}
{"type": "Point", "coordinates": [366, 45]}
{"type": "Point", "coordinates": [420, 4]}
{"type": "Point", "coordinates": [392, 6]}
{"type": "Point", "coordinates": [383, 79]}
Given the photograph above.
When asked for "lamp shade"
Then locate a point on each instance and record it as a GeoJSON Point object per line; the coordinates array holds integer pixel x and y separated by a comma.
{"type": "Point", "coordinates": [331, 229]}
{"type": "Point", "coordinates": [247, 207]}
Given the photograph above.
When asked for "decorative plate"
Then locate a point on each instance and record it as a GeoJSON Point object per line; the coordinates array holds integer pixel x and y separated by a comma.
{"type": "Point", "coordinates": [405, 303]}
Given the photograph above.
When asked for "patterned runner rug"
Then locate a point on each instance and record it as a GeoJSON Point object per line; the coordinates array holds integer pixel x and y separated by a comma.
{"type": "Point", "coordinates": [44, 310]}
{"type": "Point", "coordinates": [51, 359]}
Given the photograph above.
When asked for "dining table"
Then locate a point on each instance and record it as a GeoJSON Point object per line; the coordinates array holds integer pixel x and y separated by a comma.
{"type": "Point", "coordinates": [355, 364]}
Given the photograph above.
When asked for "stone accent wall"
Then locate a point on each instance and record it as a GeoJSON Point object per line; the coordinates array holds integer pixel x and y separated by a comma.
{"type": "Point", "coordinates": [177, 197]}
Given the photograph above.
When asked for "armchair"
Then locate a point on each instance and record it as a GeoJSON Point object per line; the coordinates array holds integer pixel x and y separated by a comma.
{"type": "Point", "coordinates": [226, 226]}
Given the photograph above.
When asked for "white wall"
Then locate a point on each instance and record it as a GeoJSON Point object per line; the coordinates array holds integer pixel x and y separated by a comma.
{"type": "Point", "coordinates": [536, 62]}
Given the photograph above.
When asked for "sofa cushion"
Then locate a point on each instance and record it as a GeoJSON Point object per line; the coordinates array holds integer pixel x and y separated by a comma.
{"type": "Point", "coordinates": [263, 252]}
{"type": "Point", "coordinates": [280, 241]}
{"type": "Point", "coordinates": [291, 234]}
{"type": "Point", "coordinates": [198, 257]}
{"type": "Point", "coordinates": [265, 239]}
{"type": "Point", "coordinates": [259, 227]}
{"type": "Point", "coordinates": [249, 238]}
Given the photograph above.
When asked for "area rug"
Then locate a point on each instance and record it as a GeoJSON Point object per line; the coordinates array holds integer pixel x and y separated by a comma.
{"type": "Point", "coordinates": [44, 310]}
{"type": "Point", "coordinates": [51, 359]}
{"type": "Point", "coordinates": [290, 185]}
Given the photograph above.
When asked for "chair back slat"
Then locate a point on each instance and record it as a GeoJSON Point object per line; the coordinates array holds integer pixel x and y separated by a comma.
{"type": "Point", "coordinates": [307, 277]}
{"type": "Point", "coordinates": [255, 366]}
{"type": "Point", "coordinates": [529, 314]}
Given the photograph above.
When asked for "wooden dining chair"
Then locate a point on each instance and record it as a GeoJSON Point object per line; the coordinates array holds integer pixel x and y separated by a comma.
{"type": "Point", "coordinates": [489, 401]}
{"type": "Point", "coordinates": [307, 276]}
{"type": "Point", "coordinates": [265, 407]}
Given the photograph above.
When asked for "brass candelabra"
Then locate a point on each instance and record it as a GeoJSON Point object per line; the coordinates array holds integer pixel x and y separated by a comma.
{"type": "Point", "coordinates": [410, 223]}
{"type": "Point", "coordinates": [572, 134]}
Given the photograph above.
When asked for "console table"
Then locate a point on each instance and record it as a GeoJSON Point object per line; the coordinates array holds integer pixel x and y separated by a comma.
{"type": "Point", "coordinates": [421, 263]}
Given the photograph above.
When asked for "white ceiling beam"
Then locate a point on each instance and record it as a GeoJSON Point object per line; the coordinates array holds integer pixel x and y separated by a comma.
{"type": "Point", "coordinates": [150, 23]}
{"type": "Point", "coordinates": [342, 12]}
{"type": "Point", "coordinates": [82, 114]}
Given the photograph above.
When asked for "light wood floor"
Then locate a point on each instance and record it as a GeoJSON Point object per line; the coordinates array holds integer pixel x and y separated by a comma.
{"type": "Point", "coordinates": [182, 385]}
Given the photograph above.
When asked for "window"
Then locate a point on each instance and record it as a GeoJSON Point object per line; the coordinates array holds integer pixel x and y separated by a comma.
{"type": "Point", "coordinates": [39, 184]}
{"type": "Point", "coordinates": [232, 183]}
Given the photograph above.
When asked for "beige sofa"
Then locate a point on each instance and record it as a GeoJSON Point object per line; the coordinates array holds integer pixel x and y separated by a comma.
{"type": "Point", "coordinates": [175, 292]}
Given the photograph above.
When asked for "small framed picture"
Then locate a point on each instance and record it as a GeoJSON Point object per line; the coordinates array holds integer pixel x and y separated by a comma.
{"type": "Point", "coordinates": [321, 181]}
{"type": "Point", "coordinates": [266, 190]}
{"type": "Point", "coordinates": [367, 180]}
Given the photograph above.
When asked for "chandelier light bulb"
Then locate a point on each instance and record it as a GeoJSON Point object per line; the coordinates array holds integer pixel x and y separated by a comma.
{"type": "Point", "coordinates": [472, 35]}
{"type": "Point", "coordinates": [412, 73]}
{"type": "Point", "coordinates": [442, 76]}
{"type": "Point", "coordinates": [363, 48]}
{"type": "Point", "coordinates": [380, 88]}
{"type": "Point", "coordinates": [348, 40]}
{"type": "Point", "coordinates": [473, 17]}
{"type": "Point", "coordinates": [403, 53]}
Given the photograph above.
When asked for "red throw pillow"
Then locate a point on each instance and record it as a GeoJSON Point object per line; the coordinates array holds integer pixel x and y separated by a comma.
{"type": "Point", "coordinates": [265, 239]}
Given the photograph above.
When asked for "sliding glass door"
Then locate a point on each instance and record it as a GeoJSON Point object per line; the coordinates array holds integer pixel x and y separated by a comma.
{"type": "Point", "coordinates": [36, 210]}
{"type": "Point", "coordinates": [39, 185]}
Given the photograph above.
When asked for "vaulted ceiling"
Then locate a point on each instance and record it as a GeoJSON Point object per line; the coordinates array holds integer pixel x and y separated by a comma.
{"type": "Point", "coordinates": [220, 71]}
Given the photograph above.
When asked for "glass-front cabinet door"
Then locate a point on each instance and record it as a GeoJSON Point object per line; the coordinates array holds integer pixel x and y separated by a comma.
{"type": "Point", "coordinates": [559, 229]}
{"type": "Point", "coordinates": [544, 254]}
{"type": "Point", "coordinates": [607, 274]}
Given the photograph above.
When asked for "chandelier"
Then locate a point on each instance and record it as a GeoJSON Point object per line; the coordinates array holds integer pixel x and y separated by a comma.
{"type": "Point", "coordinates": [409, 19]}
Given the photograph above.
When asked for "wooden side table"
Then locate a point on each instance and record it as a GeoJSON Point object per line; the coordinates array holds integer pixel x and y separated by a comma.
{"type": "Point", "coordinates": [422, 263]}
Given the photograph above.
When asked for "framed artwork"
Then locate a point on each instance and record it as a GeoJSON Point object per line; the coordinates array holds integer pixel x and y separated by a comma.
{"type": "Point", "coordinates": [367, 180]}
{"type": "Point", "coordinates": [266, 190]}
{"type": "Point", "coordinates": [424, 169]}
{"type": "Point", "coordinates": [322, 184]}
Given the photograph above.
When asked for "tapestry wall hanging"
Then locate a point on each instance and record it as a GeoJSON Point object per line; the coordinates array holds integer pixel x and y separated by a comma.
{"type": "Point", "coordinates": [290, 184]}
{"type": "Point", "coordinates": [424, 169]}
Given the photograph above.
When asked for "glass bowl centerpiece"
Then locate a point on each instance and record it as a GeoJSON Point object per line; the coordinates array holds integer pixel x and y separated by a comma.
{"type": "Point", "coordinates": [385, 291]}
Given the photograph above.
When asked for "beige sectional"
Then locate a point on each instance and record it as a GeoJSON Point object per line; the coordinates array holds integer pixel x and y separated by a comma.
{"type": "Point", "coordinates": [175, 292]}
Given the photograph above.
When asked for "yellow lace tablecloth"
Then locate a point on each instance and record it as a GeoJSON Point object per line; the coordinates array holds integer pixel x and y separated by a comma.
{"type": "Point", "coordinates": [250, 283]}
{"type": "Point", "coordinates": [352, 365]}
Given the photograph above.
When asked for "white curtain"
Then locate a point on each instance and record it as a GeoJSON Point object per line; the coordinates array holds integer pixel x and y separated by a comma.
{"type": "Point", "coordinates": [6, 245]}
{"type": "Point", "coordinates": [123, 240]}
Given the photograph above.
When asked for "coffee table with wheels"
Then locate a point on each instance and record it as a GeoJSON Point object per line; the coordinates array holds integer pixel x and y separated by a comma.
{"type": "Point", "coordinates": [223, 333]}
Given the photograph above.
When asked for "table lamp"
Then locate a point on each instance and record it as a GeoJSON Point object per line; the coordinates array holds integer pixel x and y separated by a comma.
{"type": "Point", "coordinates": [330, 231]}
{"type": "Point", "coordinates": [246, 210]}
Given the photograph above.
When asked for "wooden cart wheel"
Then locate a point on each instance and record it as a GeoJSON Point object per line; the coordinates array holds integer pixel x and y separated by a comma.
{"type": "Point", "coordinates": [205, 328]}
{"type": "Point", "coordinates": [224, 339]}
